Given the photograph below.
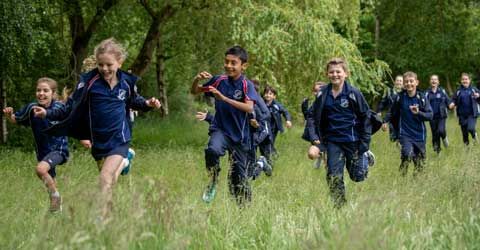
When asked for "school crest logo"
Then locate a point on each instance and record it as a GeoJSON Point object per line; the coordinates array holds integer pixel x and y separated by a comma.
{"type": "Point", "coordinates": [344, 103]}
{"type": "Point", "coordinates": [80, 85]}
{"type": "Point", "coordinates": [121, 94]}
{"type": "Point", "coordinates": [237, 95]}
{"type": "Point", "coordinates": [438, 95]}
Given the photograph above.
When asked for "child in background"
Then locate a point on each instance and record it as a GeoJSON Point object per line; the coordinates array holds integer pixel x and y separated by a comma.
{"type": "Point", "coordinates": [387, 101]}
{"type": "Point", "coordinates": [98, 111]}
{"type": "Point", "coordinates": [340, 124]}
{"type": "Point", "coordinates": [267, 147]}
{"type": "Point", "coordinates": [439, 101]}
{"type": "Point", "coordinates": [230, 131]}
{"type": "Point", "coordinates": [50, 150]}
{"type": "Point", "coordinates": [322, 156]}
{"type": "Point", "coordinates": [466, 99]}
{"type": "Point", "coordinates": [408, 113]}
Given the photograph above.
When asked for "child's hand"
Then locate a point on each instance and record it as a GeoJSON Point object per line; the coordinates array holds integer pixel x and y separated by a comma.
{"type": "Point", "coordinates": [153, 103]}
{"type": "Point", "coordinates": [476, 95]}
{"type": "Point", "coordinates": [217, 94]}
{"type": "Point", "coordinates": [451, 105]}
{"type": "Point", "coordinates": [316, 142]}
{"type": "Point", "coordinates": [254, 123]}
{"type": "Point", "coordinates": [414, 109]}
{"type": "Point", "coordinates": [8, 111]}
{"type": "Point", "coordinates": [203, 75]}
{"type": "Point", "coordinates": [385, 127]}
{"type": "Point", "coordinates": [288, 124]}
{"type": "Point", "coordinates": [39, 112]}
{"type": "Point", "coordinates": [86, 143]}
{"type": "Point", "coordinates": [201, 116]}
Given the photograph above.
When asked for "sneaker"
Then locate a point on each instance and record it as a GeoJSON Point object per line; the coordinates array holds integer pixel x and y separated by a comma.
{"type": "Point", "coordinates": [55, 203]}
{"type": "Point", "coordinates": [445, 142]}
{"type": "Point", "coordinates": [266, 167]}
{"type": "Point", "coordinates": [210, 192]}
{"type": "Point", "coordinates": [128, 162]}
{"type": "Point", "coordinates": [370, 157]}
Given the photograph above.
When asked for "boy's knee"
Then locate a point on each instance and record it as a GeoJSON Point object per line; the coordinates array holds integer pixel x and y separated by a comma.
{"type": "Point", "coordinates": [42, 168]}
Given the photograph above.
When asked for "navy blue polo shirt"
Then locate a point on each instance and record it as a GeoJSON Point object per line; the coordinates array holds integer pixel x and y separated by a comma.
{"type": "Point", "coordinates": [411, 126]}
{"type": "Point", "coordinates": [341, 121]}
{"type": "Point", "coordinates": [231, 121]}
{"type": "Point", "coordinates": [107, 109]}
{"type": "Point", "coordinates": [435, 99]}
{"type": "Point", "coordinates": [44, 144]}
{"type": "Point", "coordinates": [464, 102]}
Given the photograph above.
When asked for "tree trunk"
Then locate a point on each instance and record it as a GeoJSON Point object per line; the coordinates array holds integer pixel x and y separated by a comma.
{"type": "Point", "coordinates": [162, 89]}
{"type": "Point", "coordinates": [449, 85]}
{"type": "Point", "coordinates": [377, 36]}
{"type": "Point", "coordinates": [3, 102]}
{"type": "Point", "coordinates": [144, 58]}
{"type": "Point", "coordinates": [81, 35]}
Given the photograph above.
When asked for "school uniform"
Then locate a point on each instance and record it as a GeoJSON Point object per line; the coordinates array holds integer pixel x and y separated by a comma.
{"type": "Point", "coordinates": [277, 111]}
{"type": "Point", "coordinates": [51, 149]}
{"type": "Point", "coordinates": [100, 114]}
{"type": "Point", "coordinates": [342, 125]}
{"type": "Point", "coordinates": [385, 104]}
{"type": "Point", "coordinates": [467, 111]}
{"type": "Point", "coordinates": [439, 102]}
{"type": "Point", "coordinates": [230, 131]}
{"type": "Point", "coordinates": [411, 127]}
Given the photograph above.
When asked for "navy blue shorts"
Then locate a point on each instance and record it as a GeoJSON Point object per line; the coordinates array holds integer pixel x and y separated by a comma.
{"type": "Point", "coordinates": [99, 154]}
{"type": "Point", "coordinates": [53, 159]}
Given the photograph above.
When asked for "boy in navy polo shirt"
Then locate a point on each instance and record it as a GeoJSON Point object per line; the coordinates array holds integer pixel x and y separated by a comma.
{"type": "Point", "coordinates": [466, 99]}
{"type": "Point", "coordinates": [408, 113]}
{"type": "Point", "coordinates": [387, 101]}
{"type": "Point", "coordinates": [339, 122]}
{"type": "Point", "coordinates": [439, 101]}
{"type": "Point", "coordinates": [229, 130]}
{"type": "Point", "coordinates": [267, 147]}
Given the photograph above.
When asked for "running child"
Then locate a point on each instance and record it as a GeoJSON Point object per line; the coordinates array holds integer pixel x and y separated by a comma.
{"type": "Point", "coordinates": [98, 110]}
{"type": "Point", "coordinates": [277, 110]}
{"type": "Point", "coordinates": [230, 131]}
{"type": "Point", "coordinates": [340, 118]}
{"type": "Point", "coordinates": [50, 150]}
{"type": "Point", "coordinates": [439, 101]}
{"type": "Point", "coordinates": [466, 99]}
{"type": "Point", "coordinates": [386, 103]}
{"type": "Point", "coordinates": [410, 109]}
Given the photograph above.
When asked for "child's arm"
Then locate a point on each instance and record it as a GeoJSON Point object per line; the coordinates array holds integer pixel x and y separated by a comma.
{"type": "Point", "coordinates": [246, 106]}
{"type": "Point", "coordinates": [8, 111]}
{"type": "Point", "coordinates": [287, 116]}
{"type": "Point", "coordinates": [196, 88]}
{"type": "Point", "coordinates": [425, 113]}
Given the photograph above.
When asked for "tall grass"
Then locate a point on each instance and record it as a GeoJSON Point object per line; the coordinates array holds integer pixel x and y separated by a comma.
{"type": "Point", "coordinates": [159, 206]}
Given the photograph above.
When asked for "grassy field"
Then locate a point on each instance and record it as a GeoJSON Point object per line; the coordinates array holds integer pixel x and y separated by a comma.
{"type": "Point", "coordinates": [159, 206]}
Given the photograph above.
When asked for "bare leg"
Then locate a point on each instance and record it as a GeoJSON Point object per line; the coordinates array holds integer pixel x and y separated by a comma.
{"type": "Point", "coordinates": [108, 177]}
{"type": "Point", "coordinates": [42, 173]}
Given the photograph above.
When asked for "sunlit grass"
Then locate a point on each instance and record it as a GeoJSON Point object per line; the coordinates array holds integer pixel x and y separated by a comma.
{"type": "Point", "coordinates": [159, 204]}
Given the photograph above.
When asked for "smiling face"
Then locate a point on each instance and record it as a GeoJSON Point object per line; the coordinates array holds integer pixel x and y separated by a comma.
{"type": "Point", "coordinates": [465, 80]}
{"type": "Point", "coordinates": [410, 84]}
{"type": "Point", "coordinates": [233, 66]}
{"type": "Point", "coordinates": [269, 96]}
{"type": "Point", "coordinates": [44, 94]}
{"type": "Point", "coordinates": [398, 85]}
{"type": "Point", "coordinates": [336, 74]}
{"type": "Point", "coordinates": [108, 66]}
{"type": "Point", "coordinates": [434, 82]}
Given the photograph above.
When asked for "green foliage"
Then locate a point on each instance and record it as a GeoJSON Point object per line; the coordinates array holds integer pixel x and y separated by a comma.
{"type": "Point", "coordinates": [430, 39]}
{"type": "Point", "coordinates": [159, 206]}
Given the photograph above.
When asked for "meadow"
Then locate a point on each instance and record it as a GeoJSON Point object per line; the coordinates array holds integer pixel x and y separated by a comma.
{"type": "Point", "coordinates": [159, 206]}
